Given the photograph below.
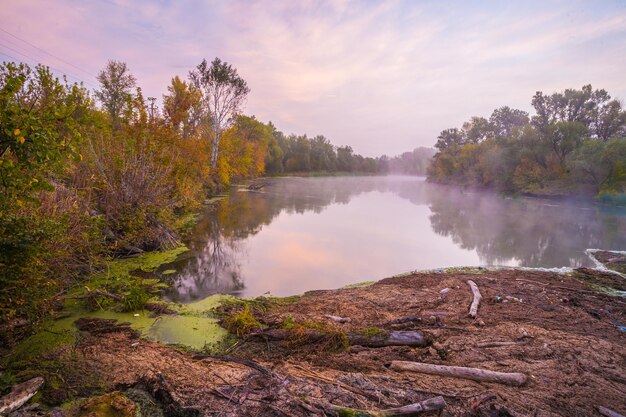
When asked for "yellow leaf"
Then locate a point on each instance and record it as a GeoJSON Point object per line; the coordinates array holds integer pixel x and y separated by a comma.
{"type": "Point", "coordinates": [22, 139]}
{"type": "Point", "coordinates": [16, 132]}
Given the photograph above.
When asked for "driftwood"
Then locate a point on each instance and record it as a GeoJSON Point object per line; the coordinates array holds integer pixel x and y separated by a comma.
{"type": "Point", "coordinates": [415, 409]}
{"type": "Point", "coordinates": [607, 412]}
{"type": "Point", "coordinates": [339, 319]}
{"type": "Point", "coordinates": [473, 311]}
{"type": "Point", "coordinates": [19, 395]}
{"type": "Point", "coordinates": [393, 338]}
{"type": "Point", "coordinates": [474, 374]}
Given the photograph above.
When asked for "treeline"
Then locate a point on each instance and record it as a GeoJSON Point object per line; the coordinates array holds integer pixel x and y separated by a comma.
{"type": "Point", "coordinates": [575, 144]}
{"type": "Point", "coordinates": [317, 154]}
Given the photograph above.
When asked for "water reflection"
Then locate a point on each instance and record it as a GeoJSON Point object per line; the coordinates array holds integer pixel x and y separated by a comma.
{"type": "Point", "coordinates": [305, 233]}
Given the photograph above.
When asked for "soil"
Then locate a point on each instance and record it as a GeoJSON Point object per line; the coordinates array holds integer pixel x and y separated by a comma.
{"type": "Point", "coordinates": [565, 331]}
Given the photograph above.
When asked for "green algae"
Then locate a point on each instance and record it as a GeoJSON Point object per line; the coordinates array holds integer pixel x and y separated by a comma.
{"type": "Point", "coordinates": [206, 305]}
{"type": "Point", "coordinates": [127, 278]}
{"type": "Point", "coordinates": [117, 270]}
{"type": "Point", "coordinates": [197, 333]}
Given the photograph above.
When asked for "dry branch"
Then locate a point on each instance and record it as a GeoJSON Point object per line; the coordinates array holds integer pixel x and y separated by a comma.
{"type": "Point", "coordinates": [607, 412]}
{"type": "Point", "coordinates": [415, 409]}
{"type": "Point", "coordinates": [246, 362]}
{"type": "Point", "coordinates": [339, 319]}
{"type": "Point", "coordinates": [19, 395]}
{"type": "Point", "coordinates": [474, 374]}
{"type": "Point", "coordinates": [473, 311]}
{"type": "Point", "coordinates": [96, 293]}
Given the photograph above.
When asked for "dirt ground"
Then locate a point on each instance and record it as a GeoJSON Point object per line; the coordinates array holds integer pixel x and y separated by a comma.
{"type": "Point", "coordinates": [567, 342]}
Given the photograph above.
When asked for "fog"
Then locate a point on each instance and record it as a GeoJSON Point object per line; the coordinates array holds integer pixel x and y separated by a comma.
{"type": "Point", "coordinates": [300, 234]}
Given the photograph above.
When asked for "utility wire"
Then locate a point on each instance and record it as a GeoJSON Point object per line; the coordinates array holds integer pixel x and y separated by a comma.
{"type": "Point", "coordinates": [48, 53]}
{"type": "Point", "coordinates": [35, 60]}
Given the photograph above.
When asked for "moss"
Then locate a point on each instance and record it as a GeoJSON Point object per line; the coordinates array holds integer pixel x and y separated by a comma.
{"type": "Point", "coordinates": [113, 404]}
{"type": "Point", "coordinates": [371, 331]}
{"type": "Point", "coordinates": [146, 404]}
{"type": "Point", "coordinates": [349, 412]}
{"type": "Point", "coordinates": [242, 322]}
{"type": "Point", "coordinates": [359, 284]}
{"type": "Point", "coordinates": [279, 300]}
{"type": "Point", "coordinates": [326, 337]}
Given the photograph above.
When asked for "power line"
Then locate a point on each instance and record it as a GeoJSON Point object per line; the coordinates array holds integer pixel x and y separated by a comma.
{"type": "Point", "coordinates": [35, 60]}
{"type": "Point", "coordinates": [48, 53]}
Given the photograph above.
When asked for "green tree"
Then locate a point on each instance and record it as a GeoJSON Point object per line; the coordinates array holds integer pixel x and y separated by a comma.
{"type": "Point", "coordinates": [116, 87]}
{"type": "Point", "coordinates": [504, 119]}
{"type": "Point", "coordinates": [450, 138]}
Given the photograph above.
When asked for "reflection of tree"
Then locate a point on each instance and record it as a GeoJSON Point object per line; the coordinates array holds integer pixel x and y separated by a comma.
{"type": "Point", "coordinates": [214, 268]}
{"type": "Point", "coordinates": [529, 231]}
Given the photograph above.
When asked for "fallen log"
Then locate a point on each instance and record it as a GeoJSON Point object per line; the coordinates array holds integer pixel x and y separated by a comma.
{"type": "Point", "coordinates": [415, 409]}
{"type": "Point", "coordinates": [19, 395]}
{"type": "Point", "coordinates": [393, 338]}
{"type": "Point", "coordinates": [473, 311]}
{"type": "Point", "coordinates": [474, 374]}
{"type": "Point", "coordinates": [607, 412]}
{"type": "Point", "coordinates": [339, 319]}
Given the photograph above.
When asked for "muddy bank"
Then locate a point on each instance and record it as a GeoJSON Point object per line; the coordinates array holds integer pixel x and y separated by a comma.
{"type": "Point", "coordinates": [561, 331]}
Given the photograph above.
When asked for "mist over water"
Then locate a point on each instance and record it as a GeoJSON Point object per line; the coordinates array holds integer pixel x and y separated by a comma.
{"type": "Point", "coordinates": [299, 234]}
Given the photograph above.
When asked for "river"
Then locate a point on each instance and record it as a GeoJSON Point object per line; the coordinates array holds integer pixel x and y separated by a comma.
{"type": "Point", "coordinates": [299, 234]}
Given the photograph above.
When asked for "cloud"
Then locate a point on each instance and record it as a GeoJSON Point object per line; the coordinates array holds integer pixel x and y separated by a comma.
{"type": "Point", "coordinates": [383, 77]}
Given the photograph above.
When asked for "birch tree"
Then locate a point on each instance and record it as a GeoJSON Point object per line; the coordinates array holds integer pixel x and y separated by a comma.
{"type": "Point", "coordinates": [223, 95]}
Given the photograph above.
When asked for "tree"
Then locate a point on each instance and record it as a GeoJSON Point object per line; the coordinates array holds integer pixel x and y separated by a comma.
{"type": "Point", "coordinates": [608, 120]}
{"type": "Point", "coordinates": [117, 84]}
{"type": "Point", "coordinates": [223, 94]}
{"type": "Point", "coordinates": [181, 106]}
{"type": "Point", "coordinates": [565, 137]}
{"type": "Point", "coordinates": [504, 119]}
{"type": "Point", "coordinates": [450, 137]}
{"type": "Point", "coordinates": [477, 130]}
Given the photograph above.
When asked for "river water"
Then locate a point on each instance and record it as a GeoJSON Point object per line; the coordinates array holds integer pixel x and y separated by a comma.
{"type": "Point", "coordinates": [299, 234]}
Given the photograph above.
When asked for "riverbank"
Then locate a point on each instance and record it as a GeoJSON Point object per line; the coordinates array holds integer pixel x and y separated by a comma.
{"type": "Point", "coordinates": [562, 331]}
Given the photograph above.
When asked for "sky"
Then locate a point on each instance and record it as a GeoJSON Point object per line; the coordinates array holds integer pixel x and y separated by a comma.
{"type": "Point", "coordinates": [381, 76]}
